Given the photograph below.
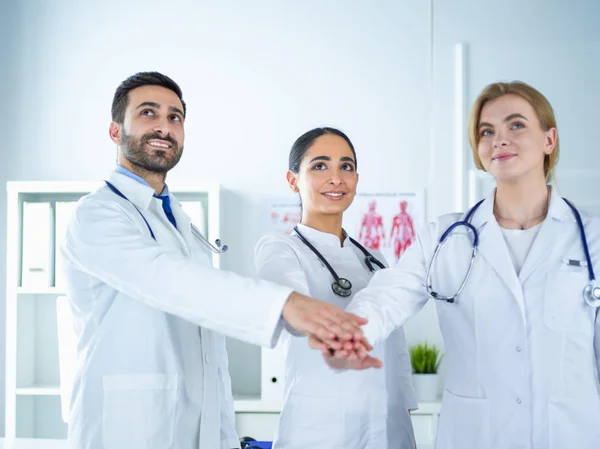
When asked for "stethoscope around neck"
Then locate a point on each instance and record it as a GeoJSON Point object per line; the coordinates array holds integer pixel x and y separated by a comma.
{"type": "Point", "coordinates": [341, 286]}
{"type": "Point", "coordinates": [218, 249]}
{"type": "Point", "coordinates": [591, 292]}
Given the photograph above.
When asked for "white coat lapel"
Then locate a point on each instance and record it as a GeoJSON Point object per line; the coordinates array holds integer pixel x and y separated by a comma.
{"type": "Point", "coordinates": [494, 250]}
{"type": "Point", "coordinates": [142, 197]}
{"type": "Point", "coordinates": [547, 243]}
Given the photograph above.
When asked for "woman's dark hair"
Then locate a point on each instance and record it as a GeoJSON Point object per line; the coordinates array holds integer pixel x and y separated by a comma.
{"type": "Point", "coordinates": [306, 140]}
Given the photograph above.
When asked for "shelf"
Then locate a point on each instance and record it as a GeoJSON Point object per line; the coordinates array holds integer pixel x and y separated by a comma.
{"type": "Point", "coordinates": [253, 404]}
{"type": "Point", "coordinates": [39, 417]}
{"type": "Point", "coordinates": [428, 408]}
{"type": "Point", "coordinates": [33, 443]}
{"type": "Point", "coordinates": [52, 187]}
{"type": "Point", "coordinates": [40, 291]}
{"type": "Point", "coordinates": [39, 390]}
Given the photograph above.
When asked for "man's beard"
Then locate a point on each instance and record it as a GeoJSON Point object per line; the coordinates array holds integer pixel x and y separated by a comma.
{"type": "Point", "coordinates": [156, 161]}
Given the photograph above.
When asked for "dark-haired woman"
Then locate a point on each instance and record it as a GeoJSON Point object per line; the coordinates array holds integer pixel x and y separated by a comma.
{"type": "Point", "coordinates": [323, 408]}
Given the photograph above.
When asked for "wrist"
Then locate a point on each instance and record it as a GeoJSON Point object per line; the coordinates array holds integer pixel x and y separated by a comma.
{"type": "Point", "coordinates": [291, 301]}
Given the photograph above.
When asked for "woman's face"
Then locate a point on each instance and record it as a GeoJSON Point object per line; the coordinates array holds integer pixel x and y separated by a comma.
{"type": "Point", "coordinates": [327, 177]}
{"type": "Point", "coordinates": [512, 143]}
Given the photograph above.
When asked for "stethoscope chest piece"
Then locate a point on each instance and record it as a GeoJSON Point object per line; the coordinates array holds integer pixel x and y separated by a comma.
{"type": "Point", "coordinates": [342, 287]}
{"type": "Point", "coordinates": [591, 293]}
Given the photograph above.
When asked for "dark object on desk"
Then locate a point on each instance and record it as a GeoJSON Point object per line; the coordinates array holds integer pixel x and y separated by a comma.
{"type": "Point", "coordinates": [251, 443]}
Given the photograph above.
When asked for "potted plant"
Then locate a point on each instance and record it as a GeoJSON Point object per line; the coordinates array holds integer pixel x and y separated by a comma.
{"type": "Point", "coordinates": [425, 361]}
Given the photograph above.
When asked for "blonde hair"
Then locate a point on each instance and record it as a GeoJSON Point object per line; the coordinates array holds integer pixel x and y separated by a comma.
{"type": "Point", "coordinates": [540, 104]}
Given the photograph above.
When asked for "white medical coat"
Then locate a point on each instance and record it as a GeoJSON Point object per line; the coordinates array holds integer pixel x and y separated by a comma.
{"type": "Point", "coordinates": [322, 408]}
{"type": "Point", "coordinates": [152, 368]}
{"type": "Point", "coordinates": [521, 351]}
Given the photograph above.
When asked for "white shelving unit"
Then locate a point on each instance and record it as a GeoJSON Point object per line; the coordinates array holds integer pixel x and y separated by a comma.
{"type": "Point", "coordinates": [33, 393]}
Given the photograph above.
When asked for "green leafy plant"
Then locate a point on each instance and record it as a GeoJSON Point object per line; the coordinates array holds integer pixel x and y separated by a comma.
{"type": "Point", "coordinates": [425, 359]}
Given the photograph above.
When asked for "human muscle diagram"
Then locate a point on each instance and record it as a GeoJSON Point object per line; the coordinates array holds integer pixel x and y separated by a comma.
{"type": "Point", "coordinates": [402, 232]}
{"type": "Point", "coordinates": [385, 222]}
{"type": "Point", "coordinates": [371, 233]}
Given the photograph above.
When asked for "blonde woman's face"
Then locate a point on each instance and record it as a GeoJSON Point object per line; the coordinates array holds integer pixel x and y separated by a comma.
{"type": "Point", "coordinates": [512, 144]}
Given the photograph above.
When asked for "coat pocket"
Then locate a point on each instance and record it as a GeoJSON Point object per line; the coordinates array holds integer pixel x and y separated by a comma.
{"type": "Point", "coordinates": [464, 423]}
{"type": "Point", "coordinates": [310, 422]}
{"type": "Point", "coordinates": [564, 306]}
{"type": "Point", "coordinates": [139, 411]}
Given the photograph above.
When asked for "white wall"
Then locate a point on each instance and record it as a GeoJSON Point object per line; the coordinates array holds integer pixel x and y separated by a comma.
{"type": "Point", "coordinates": [8, 60]}
{"type": "Point", "coordinates": [256, 75]}
{"type": "Point", "coordinates": [554, 45]}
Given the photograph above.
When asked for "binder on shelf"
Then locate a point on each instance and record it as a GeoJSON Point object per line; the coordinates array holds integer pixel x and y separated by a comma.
{"type": "Point", "coordinates": [63, 212]}
{"type": "Point", "coordinates": [272, 369]}
{"type": "Point", "coordinates": [67, 354]}
{"type": "Point", "coordinates": [37, 245]}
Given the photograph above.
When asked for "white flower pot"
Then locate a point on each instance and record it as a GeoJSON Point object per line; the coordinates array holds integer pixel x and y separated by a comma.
{"type": "Point", "coordinates": [426, 387]}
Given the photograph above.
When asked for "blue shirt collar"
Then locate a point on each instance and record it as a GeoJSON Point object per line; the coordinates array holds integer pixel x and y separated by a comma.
{"type": "Point", "coordinates": [130, 174]}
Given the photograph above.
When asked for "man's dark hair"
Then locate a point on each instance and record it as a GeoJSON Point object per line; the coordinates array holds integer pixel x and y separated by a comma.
{"type": "Point", "coordinates": [121, 98]}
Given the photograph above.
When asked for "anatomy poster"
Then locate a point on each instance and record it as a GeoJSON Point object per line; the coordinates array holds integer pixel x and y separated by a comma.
{"type": "Point", "coordinates": [281, 214]}
{"type": "Point", "coordinates": [386, 222]}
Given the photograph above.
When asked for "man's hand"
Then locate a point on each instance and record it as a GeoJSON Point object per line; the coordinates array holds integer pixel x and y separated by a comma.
{"type": "Point", "coordinates": [351, 350]}
{"type": "Point", "coordinates": [331, 325]}
{"type": "Point", "coordinates": [352, 355]}
{"type": "Point", "coordinates": [335, 361]}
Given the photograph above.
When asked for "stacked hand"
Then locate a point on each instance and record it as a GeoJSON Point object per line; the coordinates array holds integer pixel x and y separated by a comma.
{"type": "Point", "coordinates": [337, 334]}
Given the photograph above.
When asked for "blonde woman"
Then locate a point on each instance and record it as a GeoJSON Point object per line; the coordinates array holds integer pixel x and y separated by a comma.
{"type": "Point", "coordinates": [520, 326]}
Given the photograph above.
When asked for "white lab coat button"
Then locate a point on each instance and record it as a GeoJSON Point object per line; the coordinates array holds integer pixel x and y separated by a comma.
{"type": "Point", "coordinates": [518, 349]}
{"type": "Point", "coordinates": [518, 400]}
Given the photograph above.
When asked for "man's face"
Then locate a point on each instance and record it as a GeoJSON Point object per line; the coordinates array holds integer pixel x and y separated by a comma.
{"type": "Point", "coordinates": [151, 136]}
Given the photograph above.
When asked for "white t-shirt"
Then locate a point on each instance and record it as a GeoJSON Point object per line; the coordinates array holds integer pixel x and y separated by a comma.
{"type": "Point", "coordinates": [519, 243]}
